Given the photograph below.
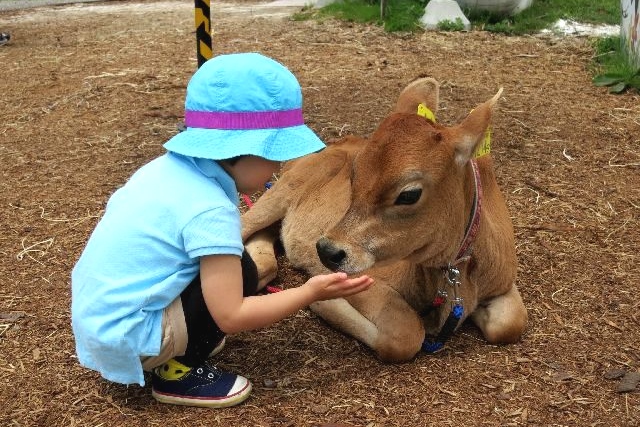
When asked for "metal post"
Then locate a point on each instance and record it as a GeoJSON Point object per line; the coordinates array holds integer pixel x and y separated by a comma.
{"type": "Point", "coordinates": [204, 40]}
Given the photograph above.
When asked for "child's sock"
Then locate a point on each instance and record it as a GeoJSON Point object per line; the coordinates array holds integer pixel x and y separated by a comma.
{"type": "Point", "coordinates": [172, 370]}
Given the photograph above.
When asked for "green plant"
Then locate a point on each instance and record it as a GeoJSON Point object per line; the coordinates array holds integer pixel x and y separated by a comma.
{"type": "Point", "coordinates": [448, 25]}
{"type": "Point", "coordinates": [614, 68]}
{"type": "Point", "coordinates": [618, 82]}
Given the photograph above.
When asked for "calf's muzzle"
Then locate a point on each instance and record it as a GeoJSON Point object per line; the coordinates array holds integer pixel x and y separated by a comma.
{"type": "Point", "coordinates": [330, 255]}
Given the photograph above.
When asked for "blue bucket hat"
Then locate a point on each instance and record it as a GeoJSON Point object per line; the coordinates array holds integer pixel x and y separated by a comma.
{"type": "Point", "coordinates": [244, 104]}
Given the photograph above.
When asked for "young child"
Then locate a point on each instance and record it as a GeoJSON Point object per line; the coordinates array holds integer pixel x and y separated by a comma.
{"type": "Point", "coordinates": [164, 276]}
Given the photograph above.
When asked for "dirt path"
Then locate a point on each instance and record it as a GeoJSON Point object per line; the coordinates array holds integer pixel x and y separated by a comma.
{"type": "Point", "coordinates": [90, 92]}
{"type": "Point", "coordinates": [27, 4]}
{"type": "Point", "coordinates": [68, 8]}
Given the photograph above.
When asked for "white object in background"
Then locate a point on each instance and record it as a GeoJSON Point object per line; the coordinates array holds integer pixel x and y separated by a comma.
{"type": "Point", "coordinates": [571, 28]}
{"type": "Point", "coordinates": [442, 10]}
{"type": "Point", "coordinates": [500, 7]}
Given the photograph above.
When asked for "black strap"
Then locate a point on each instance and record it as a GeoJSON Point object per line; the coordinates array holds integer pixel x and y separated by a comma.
{"type": "Point", "coordinates": [449, 327]}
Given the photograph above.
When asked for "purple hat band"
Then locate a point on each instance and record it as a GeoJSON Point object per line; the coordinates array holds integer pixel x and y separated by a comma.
{"type": "Point", "coordinates": [243, 120]}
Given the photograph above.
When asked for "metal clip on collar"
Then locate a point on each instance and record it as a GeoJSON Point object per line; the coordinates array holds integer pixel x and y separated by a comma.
{"type": "Point", "coordinates": [452, 275]}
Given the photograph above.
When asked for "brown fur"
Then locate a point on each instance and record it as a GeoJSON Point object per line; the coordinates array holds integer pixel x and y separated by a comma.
{"type": "Point", "coordinates": [342, 201]}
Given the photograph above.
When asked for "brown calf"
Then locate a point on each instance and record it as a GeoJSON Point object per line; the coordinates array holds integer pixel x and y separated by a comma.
{"type": "Point", "coordinates": [414, 209]}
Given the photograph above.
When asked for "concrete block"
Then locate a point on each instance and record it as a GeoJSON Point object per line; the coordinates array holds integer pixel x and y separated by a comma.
{"type": "Point", "coordinates": [442, 10]}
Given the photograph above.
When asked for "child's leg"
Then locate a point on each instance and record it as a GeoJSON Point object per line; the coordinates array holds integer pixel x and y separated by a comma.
{"type": "Point", "coordinates": [174, 336]}
{"type": "Point", "coordinates": [187, 379]}
{"type": "Point", "coordinates": [202, 331]}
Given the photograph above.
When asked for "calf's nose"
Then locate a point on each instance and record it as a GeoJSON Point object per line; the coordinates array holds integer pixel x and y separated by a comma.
{"type": "Point", "coordinates": [330, 255]}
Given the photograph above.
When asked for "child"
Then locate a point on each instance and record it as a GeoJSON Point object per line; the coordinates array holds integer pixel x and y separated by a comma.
{"type": "Point", "coordinates": [164, 276]}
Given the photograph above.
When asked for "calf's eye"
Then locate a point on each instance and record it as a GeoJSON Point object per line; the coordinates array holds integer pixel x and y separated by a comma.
{"type": "Point", "coordinates": [409, 197]}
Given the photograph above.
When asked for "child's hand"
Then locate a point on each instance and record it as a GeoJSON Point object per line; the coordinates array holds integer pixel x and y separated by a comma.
{"type": "Point", "coordinates": [337, 285]}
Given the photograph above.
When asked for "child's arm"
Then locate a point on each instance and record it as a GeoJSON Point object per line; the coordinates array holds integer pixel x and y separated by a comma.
{"type": "Point", "coordinates": [221, 278]}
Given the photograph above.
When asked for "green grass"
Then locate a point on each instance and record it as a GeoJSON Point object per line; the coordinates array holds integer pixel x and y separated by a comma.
{"type": "Point", "coordinates": [400, 15]}
{"type": "Point", "coordinates": [544, 13]}
{"type": "Point", "coordinates": [403, 15]}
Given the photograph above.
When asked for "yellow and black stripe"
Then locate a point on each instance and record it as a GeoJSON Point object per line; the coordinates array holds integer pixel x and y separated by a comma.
{"type": "Point", "coordinates": [203, 31]}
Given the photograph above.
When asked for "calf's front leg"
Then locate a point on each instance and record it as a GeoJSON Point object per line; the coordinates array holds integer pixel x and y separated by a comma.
{"type": "Point", "coordinates": [378, 317]}
{"type": "Point", "coordinates": [502, 319]}
{"type": "Point", "coordinates": [261, 248]}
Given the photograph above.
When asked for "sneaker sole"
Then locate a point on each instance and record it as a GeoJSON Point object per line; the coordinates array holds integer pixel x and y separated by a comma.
{"type": "Point", "coordinates": [204, 402]}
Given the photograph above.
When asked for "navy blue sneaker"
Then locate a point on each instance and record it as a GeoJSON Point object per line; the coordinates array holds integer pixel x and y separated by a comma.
{"type": "Point", "coordinates": [204, 386]}
{"type": "Point", "coordinates": [4, 38]}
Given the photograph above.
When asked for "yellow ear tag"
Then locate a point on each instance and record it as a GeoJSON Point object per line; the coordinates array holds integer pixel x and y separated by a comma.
{"type": "Point", "coordinates": [426, 113]}
{"type": "Point", "coordinates": [485, 147]}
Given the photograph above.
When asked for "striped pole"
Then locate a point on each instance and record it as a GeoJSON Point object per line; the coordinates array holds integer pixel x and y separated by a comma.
{"type": "Point", "coordinates": [204, 41]}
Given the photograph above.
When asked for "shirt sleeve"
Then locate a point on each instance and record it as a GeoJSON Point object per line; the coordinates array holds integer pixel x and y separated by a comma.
{"type": "Point", "coordinates": [214, 232]}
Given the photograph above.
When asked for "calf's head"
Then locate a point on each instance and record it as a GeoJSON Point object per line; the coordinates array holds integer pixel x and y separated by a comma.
{"type": "Point", "coordinates": [411, 188]}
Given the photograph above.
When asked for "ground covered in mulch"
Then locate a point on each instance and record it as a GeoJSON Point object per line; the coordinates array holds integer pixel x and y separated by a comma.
{"type": "Point", "coordinates": [90, 93]}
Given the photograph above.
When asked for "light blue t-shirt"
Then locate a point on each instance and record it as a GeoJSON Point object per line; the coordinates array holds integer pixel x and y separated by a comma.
{"type": "Point", "coordinates": [143, 253]}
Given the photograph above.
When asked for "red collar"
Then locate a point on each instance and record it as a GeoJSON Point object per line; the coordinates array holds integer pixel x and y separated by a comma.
{"type": "Point", "coordinates": [474, 218]}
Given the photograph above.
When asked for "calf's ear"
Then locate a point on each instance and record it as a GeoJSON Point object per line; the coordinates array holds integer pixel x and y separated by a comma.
{"type": "Point", "coordinates": [469, 134]}
{"type": "Point", "coordinates": [423, 91]}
